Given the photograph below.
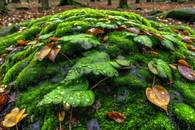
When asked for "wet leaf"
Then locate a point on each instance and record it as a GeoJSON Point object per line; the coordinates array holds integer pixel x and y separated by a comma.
{"type": "Point", "coordinates": [159, 96]}
{"type": "Point", "coordinates": [14, 117]}
{"type": "Point", "coordinates": [3, 99]}
{"type": "Point", "coordinates": [187, 72]}
{"type": "Point", "coordinates": [53, 54]}
{"type": "Point", "coordinates": [95, 31]}
{"type": "Point", "coordinates": [22, 42]}
{"type": "Point", "coordinates": [44, 51]}
{"type": "Point", "coordinates": [61, 116]}
{"type": "Point", "coordinates": [118, 117]}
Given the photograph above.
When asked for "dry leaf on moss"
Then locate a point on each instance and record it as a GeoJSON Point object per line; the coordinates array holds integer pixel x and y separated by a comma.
{"type": "Point", "coordinates": [183, 62]}
{"type": "Point", "coordinates": [22, 42]}
{"type": "Point", "coordinates": [159, 96]}
{"type": "Point", "coordinates": [95, 31]}
{"type": "Point", "coordinates": [14, 117]}
{"type": "Point", "coordinates": [117, 116]}
{"type": "Point", "coordinates": [186, 72]}
{"type": "Point", "coordinates": [3, 99]}
{"type": "Point", "coordinates": [53, 53]}
{"type": "Point", "coordinates": [61, 116]}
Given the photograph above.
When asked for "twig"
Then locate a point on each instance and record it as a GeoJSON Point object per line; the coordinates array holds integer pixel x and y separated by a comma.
{"type": "Point", "coordinates": [70, 119]}
{"type": "Point", "coordinates": [16, 126]}
{"type": "Point", "coordinates": [154, 80]}
{"type": "Point", "coordinates": [94, 86]}
{"type": "Point", "coordinates": [67, 58]}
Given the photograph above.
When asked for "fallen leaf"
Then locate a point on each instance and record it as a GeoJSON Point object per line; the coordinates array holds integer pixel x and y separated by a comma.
{"type": "Point", "coordinates": [187, 72]}
{"type": "Point", "coordinates": [122, 27]}
{"type": "Point", "coordinates": [191, 47]}
{"type": "Point", "coordinates": [14, 117]}
{"type": "Point", "coordinates": [44, 51]}
{"type": "Point", "coordinates": [95, 31]}
{"type": "Point", "coordinates": [61, 116]}
{"type": "Point", "coordinates": [22, 42]}
{"type": "Point", "coordinates": [133, 30]}
{"type": "Point", "coordinates": [187, 39]}
{"type": "Point", "coordinates": [54, 38]}
{"type": "Point", "coordinates": [159, 96]}
{"type": "Point", "coordinates": [183, 62]}
{"type": "Point", "coordinates": [53, 53]}
{"type": "Point", "coordinates": [173, 66]}
{"type": "Point", "coordinates": [118, 117]}
{"type": "Point", "coordinates": [3, 99]}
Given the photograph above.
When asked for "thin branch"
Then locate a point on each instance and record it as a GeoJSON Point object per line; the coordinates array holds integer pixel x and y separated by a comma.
{"type": "Point", "coordinates": [67, 57]}
{"type": "Point", "coordinates": [154, 80]}
{"type": "Point", "coordinates": [70, 119]}
{"type": "Point", "coordinates": [94, 86]}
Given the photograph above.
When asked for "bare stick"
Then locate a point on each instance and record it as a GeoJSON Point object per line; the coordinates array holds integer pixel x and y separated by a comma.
{"type": "Point", "coordinates": [94, 86]}
{"type": "Point", "coordinates": [70, 119]}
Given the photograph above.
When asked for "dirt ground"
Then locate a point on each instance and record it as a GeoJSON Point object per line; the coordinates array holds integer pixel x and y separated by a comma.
{"type": "Point", "coordinates": [15, 16]}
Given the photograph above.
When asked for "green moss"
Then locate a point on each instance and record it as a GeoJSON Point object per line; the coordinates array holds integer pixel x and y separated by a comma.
{"type": "Point", "coordinates": [185, 115]}
{"type": "Point", "coordinates": [187, 90]}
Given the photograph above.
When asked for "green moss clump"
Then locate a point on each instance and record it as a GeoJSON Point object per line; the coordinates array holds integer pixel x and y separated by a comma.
{"type": "Point", "coordinates": [185, 115]}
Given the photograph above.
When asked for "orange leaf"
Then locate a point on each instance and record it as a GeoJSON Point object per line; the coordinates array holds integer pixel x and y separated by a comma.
{"type": "Point", "coordinates": [22, 42]}
{"type": "Point", "coordinates": [95, 31]}
{"type": "Point", "coordinates": [118, 117]}
{"type": "Point", "coordinates": [183, 62]}
{"type": "Point", "coordinates": [159, 96]}
{"type": "Point", "coordinates": [53, 53]}
{"type": "Point", "coordinates": [44, 51]}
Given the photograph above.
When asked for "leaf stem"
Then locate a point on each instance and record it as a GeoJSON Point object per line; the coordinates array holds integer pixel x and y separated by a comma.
{"type": "Point", "coordinates": [67, 57]}
{"type": "Point", "coordinates": [70, 119]}
{"type": "Point", "coordinates": [94, 86]}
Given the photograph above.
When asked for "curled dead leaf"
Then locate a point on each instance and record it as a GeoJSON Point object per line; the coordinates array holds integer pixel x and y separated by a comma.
{"type": "Point", "coordinates": [53, 53]}
{"type": "Point", "coordinates": [117, 116]}
{"type": "Point", "coordinates": [61, 116]}
{"type": "Point", "coordinates": [44, 51]}
{"type": "Point", "coordinates": [159, 96]}
{"type": "Point", "coordinates": [95, 31]}
{"type": "Point", "coordinates": [187, 72]}
{"type": "Point", "coordinates": [14, 117]}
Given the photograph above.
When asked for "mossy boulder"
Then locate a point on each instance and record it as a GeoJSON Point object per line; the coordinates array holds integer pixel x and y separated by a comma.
{"type": "Point", "coordinates": [184, 14]}
{"type": "Point", "coordinates": [88, 62]}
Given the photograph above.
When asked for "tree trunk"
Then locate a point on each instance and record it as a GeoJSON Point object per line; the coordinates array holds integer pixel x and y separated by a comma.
{"type": "Point", "coordinates": [16, 1]}
{"type": "Point", "coordinates": [137, 1]}
{"type": "Point", "coordinates": [123, 4]}
{"type": "Point", "coordinates": [44, 4]}
{"type": "Point", "coordinates": [66, 2]}
{"type": "Point", "coordinates": [3, 8]}
{"type": "Point", "coordinates": [109, 2]}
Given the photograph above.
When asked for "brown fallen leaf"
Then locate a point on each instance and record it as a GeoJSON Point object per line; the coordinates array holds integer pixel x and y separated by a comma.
{"type": "Point", "coordinates": [159, 96]}
{"type": "Point", "coordinates": [183, 62]}
{"type": "Point", "coordinates": [54, 38]}
{"type": "Point", "coordinates": [133, 30]}
{"type": "Point", "coordinates": [117, 116]}
{"type": "Point", "coordinates": [14, 117]}
{"type": "Point", "coordinates": [191, 47]}
{"type": "Point", "coordinates": [53, 53]}
{"type": "Point", "coordinates": [3, 99]}
{"type": "Point", "coordinates": [44, 51]}
{"type": "Point", "coordinates": [22, 42]}
{"type": "Point", "coordinates": [95, 31]}
{"type": "Point", "coordinates": [186, 72]}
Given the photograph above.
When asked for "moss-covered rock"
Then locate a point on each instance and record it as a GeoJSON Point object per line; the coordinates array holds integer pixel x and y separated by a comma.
{"type": "Point", "coordinates": [101, 63]}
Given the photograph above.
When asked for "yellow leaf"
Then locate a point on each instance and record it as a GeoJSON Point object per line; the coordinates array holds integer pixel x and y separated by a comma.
{"type": "Point", "coordinates": [159, 96]}
{"type": "Point", "coordinates": [12, 118]}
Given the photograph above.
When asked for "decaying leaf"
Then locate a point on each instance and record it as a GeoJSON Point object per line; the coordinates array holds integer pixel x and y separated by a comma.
{"type": "Point", "coordinates": [183, 62]}
{"type": "Point", "coordinates": [61, 116]}
{"type": "Point", "coordinates": [187, 72]}
{"type": "Point", "coordinates": [22, 42]}
{"type": "Point", "coordinates": [159, 96]}
{"type": "Point", "coordinates": [54, 38]}
{"type": "Point", "coordinates": [117, 116]}
{"type": "Point", "coordinates": [44, 51]}
{"type": "Point", "coordinates": [95, 31]}
{"type": "Point", "coordinates": [3, 99]}
{"type": "Point", "coordinates": [14, 117]}
{"type": "Point", "coordinates": [53, 53]}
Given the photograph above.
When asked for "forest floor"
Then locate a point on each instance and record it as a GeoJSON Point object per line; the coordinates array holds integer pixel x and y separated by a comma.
{"type": "Point", "coordinates": [15, 16]}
